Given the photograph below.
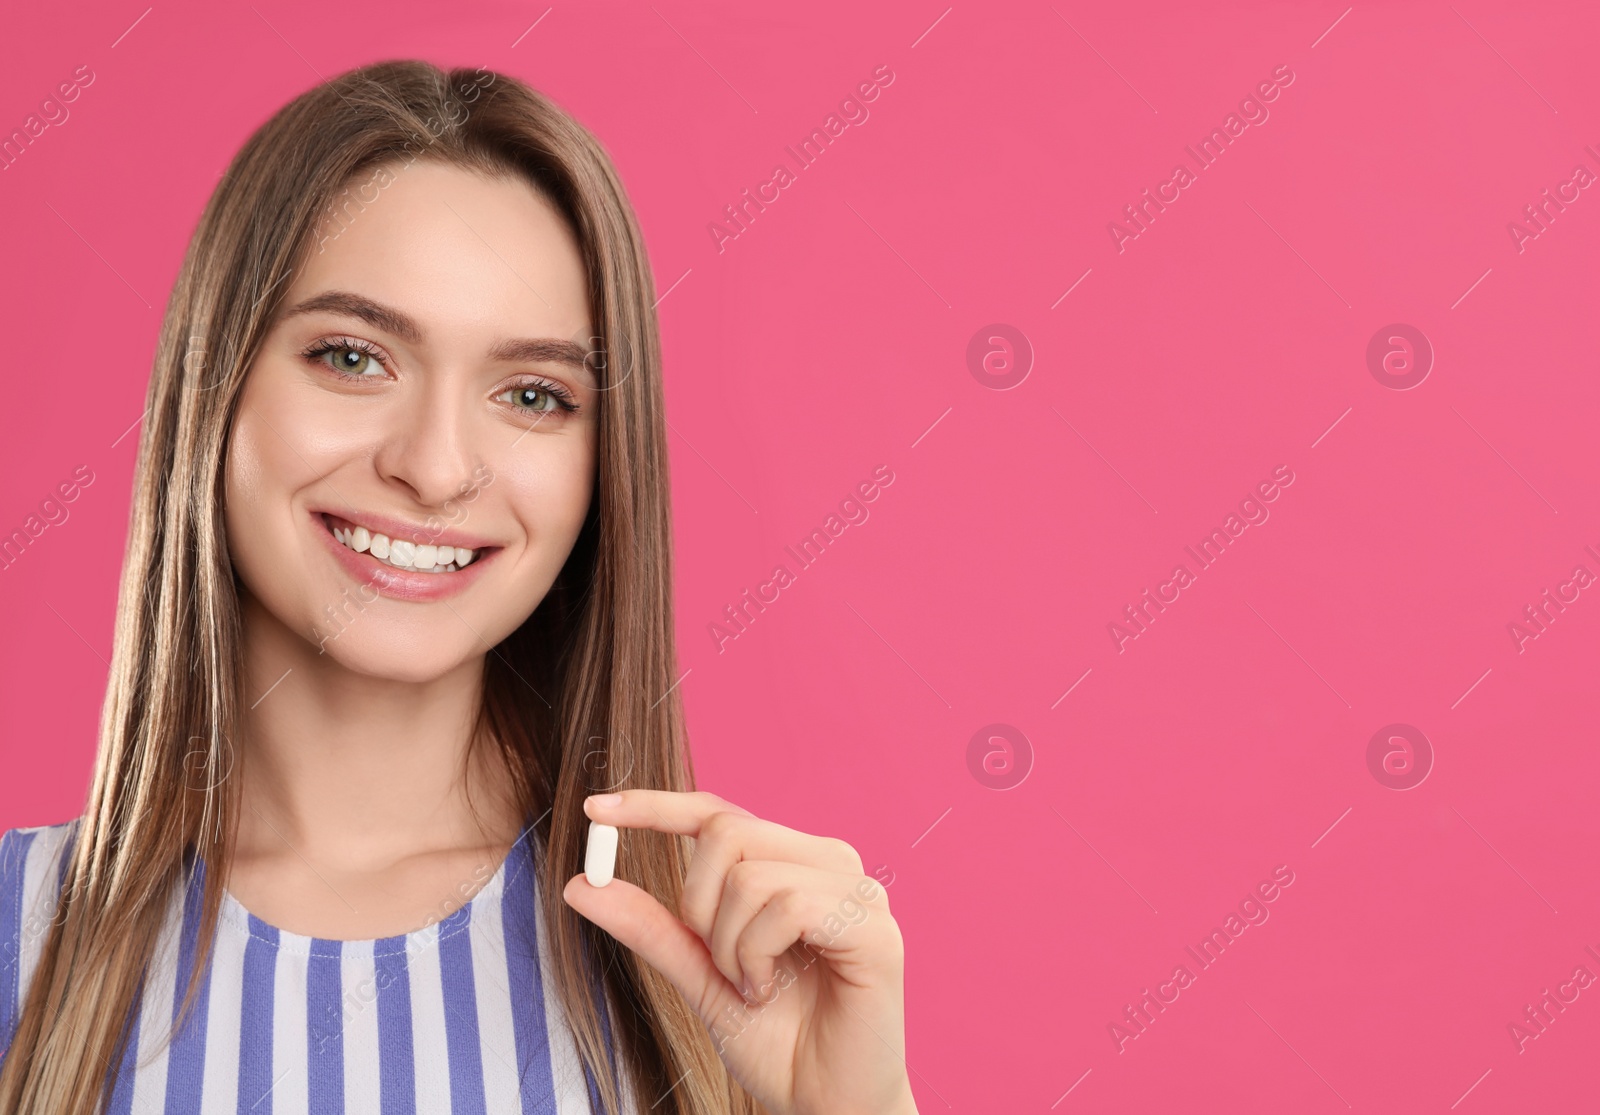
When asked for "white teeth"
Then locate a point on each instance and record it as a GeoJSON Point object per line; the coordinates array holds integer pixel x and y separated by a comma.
{"type": "Point", "coordinates": [405, 555]}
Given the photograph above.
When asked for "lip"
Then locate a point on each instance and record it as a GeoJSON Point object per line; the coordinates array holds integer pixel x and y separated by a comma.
{"type": "Point", "coordinates": [398, 584]}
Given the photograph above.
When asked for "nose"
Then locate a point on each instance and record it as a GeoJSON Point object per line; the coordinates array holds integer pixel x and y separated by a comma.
{"type": "Point", "coordinates": [427, 450]}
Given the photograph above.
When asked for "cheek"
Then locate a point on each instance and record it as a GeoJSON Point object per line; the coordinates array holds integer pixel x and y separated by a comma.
{"type": "Point", "coordinates": [550, 493]}
{"type": "Point", "coordinates": [260, 464]}
{"type": "Point", "coordinates": [246, 481]}
{"type": "Point", "coordinates": [287, 438]}
{"type": "Point", "coordinates": [274, 452]}
{"type": "Point", "coordinates": [568, 492]}
{"type": "Point", "coordinates": [254, 514]}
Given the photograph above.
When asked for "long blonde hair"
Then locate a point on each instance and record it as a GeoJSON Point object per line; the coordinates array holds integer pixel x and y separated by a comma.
{"type": "Point", "coordinates": [581, 693]}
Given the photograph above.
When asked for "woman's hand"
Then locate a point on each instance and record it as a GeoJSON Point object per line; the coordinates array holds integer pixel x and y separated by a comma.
{"type": "Point", "coordinates": [785, 949]}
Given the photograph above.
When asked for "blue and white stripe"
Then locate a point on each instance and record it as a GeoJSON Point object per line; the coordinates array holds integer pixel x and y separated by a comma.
{"type": "Point", "coordinates": [455, 1019]}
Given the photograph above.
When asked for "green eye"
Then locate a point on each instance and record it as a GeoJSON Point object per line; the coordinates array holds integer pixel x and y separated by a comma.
{"type": "Point", "coordinates": [531, 398]}
{"type": "Point", "coordinates": [351, 361]}
{"type": "Point", "coordinates": [540, 398]}
{"type": "Point", "coordinates": [346, 359]}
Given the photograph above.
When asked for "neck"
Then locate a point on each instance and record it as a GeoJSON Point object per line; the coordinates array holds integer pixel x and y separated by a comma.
{"type": "Point", "coordinates": [365, 770]}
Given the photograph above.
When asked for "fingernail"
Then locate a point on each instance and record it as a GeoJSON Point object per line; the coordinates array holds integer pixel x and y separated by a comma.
{"type": "Point", "coordinates": [605, 801]}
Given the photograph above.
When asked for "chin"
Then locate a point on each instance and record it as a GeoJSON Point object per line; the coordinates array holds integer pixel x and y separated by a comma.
{"type": "Point", "coordinates": [402, 658]}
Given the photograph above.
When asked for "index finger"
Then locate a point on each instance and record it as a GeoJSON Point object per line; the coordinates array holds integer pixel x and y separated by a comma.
{"type": "Point", "coordinates": [662, 810]}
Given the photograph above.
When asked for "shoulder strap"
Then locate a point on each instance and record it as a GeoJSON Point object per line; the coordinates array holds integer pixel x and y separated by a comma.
{"type": "Point", "coordinates": [33, 865]}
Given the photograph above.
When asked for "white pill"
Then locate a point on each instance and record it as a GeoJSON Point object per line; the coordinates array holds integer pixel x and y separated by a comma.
{"type": "Point", "coordinates": [600, 858]}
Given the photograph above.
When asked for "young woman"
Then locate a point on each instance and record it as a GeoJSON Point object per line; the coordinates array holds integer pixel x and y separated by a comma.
{"type": "Point", "coordinates": [395, 626]}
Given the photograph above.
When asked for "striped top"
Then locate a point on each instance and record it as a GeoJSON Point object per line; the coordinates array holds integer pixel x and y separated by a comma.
{"type": "Point", "coordinates": [454, 1018]}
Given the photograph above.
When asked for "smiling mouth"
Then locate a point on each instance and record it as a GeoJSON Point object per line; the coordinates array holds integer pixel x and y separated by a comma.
{"type": "Point", "coordinates": [400, 553]}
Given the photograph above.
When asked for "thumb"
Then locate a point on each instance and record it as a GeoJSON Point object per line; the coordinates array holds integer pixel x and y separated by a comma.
{"type": "Point", "coordinates": [636, 919]}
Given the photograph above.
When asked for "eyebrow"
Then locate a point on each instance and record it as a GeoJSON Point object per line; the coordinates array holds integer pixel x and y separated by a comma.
{"type": "Point", "coordinates": [391, 320]}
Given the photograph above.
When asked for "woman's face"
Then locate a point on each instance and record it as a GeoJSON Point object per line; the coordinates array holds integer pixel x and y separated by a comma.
{"type": "Point", "coordinates": [405, 479]}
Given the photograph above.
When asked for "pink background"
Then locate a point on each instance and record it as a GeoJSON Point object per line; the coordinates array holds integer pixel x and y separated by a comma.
{"type": "Point", "coordinates": [831, 337]}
